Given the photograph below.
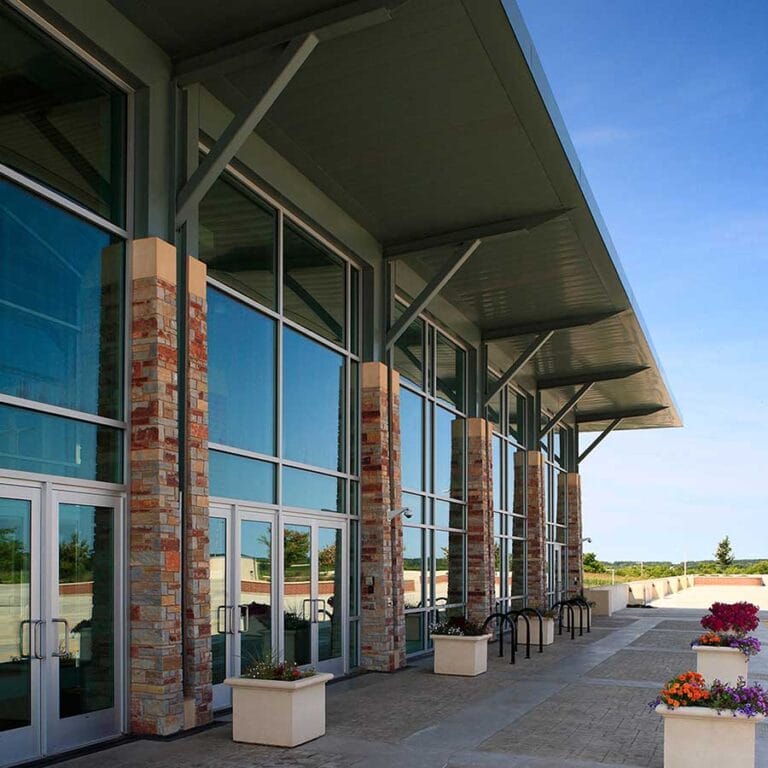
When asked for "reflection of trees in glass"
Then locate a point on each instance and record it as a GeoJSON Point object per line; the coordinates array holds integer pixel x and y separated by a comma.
{"type": "Point", "coordinates": [14, 561]}
{"type": "Point", "coordinates": [75, 559]}
{"type": "Point", "coordinates": [327, 557]}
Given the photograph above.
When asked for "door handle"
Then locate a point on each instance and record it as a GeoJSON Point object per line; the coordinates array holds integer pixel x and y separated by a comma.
{"type": "Point", "coordinates": [244, 614]}
{"type": "Point", "coordinates": [23, 655]}
{"type": "Point", "coordinates": [65, 653]}
{"type": "Point", "coordinates": [219, 609]}
{"type": "Point", "coordinates": [36, 648]}
{"type": "Point", "coordinates": [319, 610]}
{"type": "Point", "coordinates": [311, 608]}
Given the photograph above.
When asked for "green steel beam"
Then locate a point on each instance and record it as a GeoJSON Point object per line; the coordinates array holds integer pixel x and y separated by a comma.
{"type": "Point", "coordinates": [543, 326]}
{"type": "Point", "coordinates": [599, 439]}
{"type": "Point", "coordinates": [626, 413]}
{"type": "Point", "coordinates": [556, 382]}
{"type": "Point", "coordinates": [325, 25]}
{"type": "Point", "coordinates": [566, 409]}
{"type": "Point", "coordinates": [242, 126]}
{"type": "Point", "coordinates": [523, 360]}
{"type": "Point", "coordinates": [484, 231]}
{"type": "Point", "coordinates": [432, 288]}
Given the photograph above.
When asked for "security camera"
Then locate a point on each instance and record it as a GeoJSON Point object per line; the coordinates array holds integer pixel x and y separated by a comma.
{"type": "Point", "coordinates": [588, 540]}
{"type": "Point", "coordinates": [394, 513]}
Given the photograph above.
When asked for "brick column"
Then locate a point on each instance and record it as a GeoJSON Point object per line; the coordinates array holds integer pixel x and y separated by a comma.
{"type": "Point", "coordinates": [537, 526]}
{"type": "Point", "coordinates": [156, 700]}
{"type": "Point", "coordinates": [198, 693]}
{"type": "Point", "coordinates": [575, 555]}
{"type": "Point", "coordinates": [382, 624]}
{"type": "Point", "coordinates": [481, 593]}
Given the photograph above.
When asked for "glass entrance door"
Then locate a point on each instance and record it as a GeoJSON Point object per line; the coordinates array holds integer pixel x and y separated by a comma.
{"type": "Point", "coordinates": [314, 593]}
{"type": "Point", "coordinates": [20, 624]}
{"type": "Point", "coordinates": [60, 634]}
{"type": "Point", "coordinates": [83, 626]}
{"type": "Point", "coordinates": [242, 592]}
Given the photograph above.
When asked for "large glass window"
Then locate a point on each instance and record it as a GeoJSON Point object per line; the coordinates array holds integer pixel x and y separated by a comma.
{"type": "Point", "coordinates": [284, 402]}
{"type": "Point", "coordinates": [61, 307]}
{"type": "Point", "coordinates": [433, 467]}
{"type": "Point", "coordinates": [313, 402]}
{"type": "Point", "coordinates": [238, 237]}
{"type": "Point", "coordinates": [60, 123]}
{"type": "Point", "coordinates": [242, 352]}
{"type": "Point", "coordinates": [554, 448]}
{"type": "Point", "coordinates": [507, 414]}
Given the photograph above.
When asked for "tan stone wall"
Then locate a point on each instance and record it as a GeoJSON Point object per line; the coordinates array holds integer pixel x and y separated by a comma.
{"type": "Point", "coordinates": [575, 554]}
{"type": "Point", "coordinates": [480, 544]}
{"type": "Point", "coordinates": [198, 692]}
{"type": "Point", "coordinates": [382, 618]}
{"type": "Point", "coordinates": [537, 526]}
{"type": "Point", "coordinates": [155, 670]}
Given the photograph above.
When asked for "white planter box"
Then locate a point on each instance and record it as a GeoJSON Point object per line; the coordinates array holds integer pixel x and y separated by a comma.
{"type": "Point", "coordinates": [697, 736]}
{"type": "Point", "coordinates": [279, 713]}
{"type": "Point", "coordinates": [547, 629]}
{"type": "Point", "coordinates": [724, 664]}
{"type": "Point", "coordinates": [455, 655]}
{"type": "Point", "coordinates": [584, 612]}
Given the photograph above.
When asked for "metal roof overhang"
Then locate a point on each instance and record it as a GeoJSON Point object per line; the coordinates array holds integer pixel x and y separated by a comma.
{"type": "Point", "coordinates": [433, 128]}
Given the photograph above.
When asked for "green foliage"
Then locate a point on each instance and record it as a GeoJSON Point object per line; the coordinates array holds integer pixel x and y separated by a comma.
{"type": "Point", "coordinates": [592, 564]}
{"type": "Point", "coordinates": [14, 561]}
{"type": "Point", "coordinates": [75, 560]}
{"type": "Point", "coordinates": [724, 553]}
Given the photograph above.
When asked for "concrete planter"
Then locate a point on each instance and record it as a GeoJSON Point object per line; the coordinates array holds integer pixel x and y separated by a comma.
{"type": "Point", "coordinates": [279, 713]}
{"type": "Point", "coordinates": [456, 655]}
{"type": "Point", "coordinates": [724, 664]}
{"type": "Point", "coordinates": [697, 736]}
{"type": "Point", "coordinates": [567, 618]}
{"type": "Point", "coordinates": [547, 630]}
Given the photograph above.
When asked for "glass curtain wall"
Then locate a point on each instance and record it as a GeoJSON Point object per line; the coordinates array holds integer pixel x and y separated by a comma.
{"type": "Point", "coordinates": [506, 412]}
{"type": "Point", "coordinates": [62, 261]}
{"type": "Point", "coordinates": [433, 455]}
{"type": "Point", "coordinates": [283, 343]}
{"type": "Point", "coordinates": [554, 447]}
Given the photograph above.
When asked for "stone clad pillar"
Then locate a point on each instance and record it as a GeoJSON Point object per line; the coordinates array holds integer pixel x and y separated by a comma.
{"type": "Point", "coordinates": [575, 553]}
{"type": "Point", "coordinates": [155, 669]}
{"type": "Point", "coordinates": [382, 618]}
{"type": "Point", "coordinates": [481, 593]}
{"type": "Point", "coordinates": [537, 526]}
{"type": "Point", "coordinates": [198, 692]}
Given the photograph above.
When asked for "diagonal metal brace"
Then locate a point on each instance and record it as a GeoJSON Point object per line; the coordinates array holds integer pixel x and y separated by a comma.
{"type": "Point", "coordinates": [529, 353]}
{"type": "Point", "coordinates": [432, 288]}
{"type": "Point", "coordinates": [599, 439]}
{"type": "Point", "coordinates": [242, 126]}
{"type": "Point", "coordinates": [566, 409]}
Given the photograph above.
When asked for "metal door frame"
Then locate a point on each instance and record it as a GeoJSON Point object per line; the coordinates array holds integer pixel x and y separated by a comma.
{"type": "Point", "coordinates": [340, 665]}
{"type": "Point", "coordinates": [80, 730]}
{"type": "Point", "coordinates": [26, 743]}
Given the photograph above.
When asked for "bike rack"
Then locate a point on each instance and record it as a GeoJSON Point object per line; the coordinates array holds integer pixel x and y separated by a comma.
{"type": "Point", "coordinates": [525, 613]}
{"type": "Point", "coordinates": [561, 605]}
{"type": "Point", "coordinates": [583, 605]}
{"type": "Point", "coordinates": [504, 618]}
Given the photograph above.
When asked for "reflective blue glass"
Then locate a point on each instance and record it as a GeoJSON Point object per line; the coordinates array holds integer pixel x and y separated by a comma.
{"type": "Point", "coordinates": [313, 402]}
{"type": "Point", "coordinates": [241, 375]}
{"type": "Point", "coordinates": [449, 454]}
{"type": "Point", "coordinates": [412, 440]}
{"type": "Point", "coordinates": [61, 123]}
{"type": "Point", "coordinates": [37, 442]}
{"type": "Point", "coordinates": [311, 490]}
{"type": "Point", "coordinates": [61, 307]}
{"type": "Point", "coordinates": [238, 477]}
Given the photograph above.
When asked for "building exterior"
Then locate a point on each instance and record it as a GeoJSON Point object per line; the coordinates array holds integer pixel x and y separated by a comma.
{"type": "Point", "coordinates": [271, 274]}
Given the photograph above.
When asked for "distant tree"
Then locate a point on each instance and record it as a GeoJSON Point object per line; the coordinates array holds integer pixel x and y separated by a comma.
{"type": "Point", "coordinates": [724, 553]}
{"type": "Point", "coordinates": [759, 567]}
{"type": "Point", "coordinates": [75, 560]}
{"type": "Point", "coordinates": [592, 564]}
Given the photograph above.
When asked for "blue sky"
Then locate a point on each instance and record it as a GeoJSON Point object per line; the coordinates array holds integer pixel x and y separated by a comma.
{"type": "Point", "coordinates": [667, 106]}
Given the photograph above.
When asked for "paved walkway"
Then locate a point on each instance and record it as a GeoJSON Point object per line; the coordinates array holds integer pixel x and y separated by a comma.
{"type": "Point", "coordinates": [581, 703]}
